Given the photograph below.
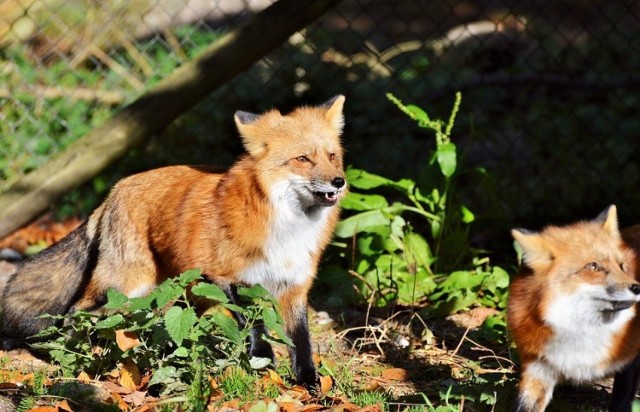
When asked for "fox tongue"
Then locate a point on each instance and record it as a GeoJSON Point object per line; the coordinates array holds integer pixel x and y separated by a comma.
{"type": "Point", "coordinates": [330, 196]}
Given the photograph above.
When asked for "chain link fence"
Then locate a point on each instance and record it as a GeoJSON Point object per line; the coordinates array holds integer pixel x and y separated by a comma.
{"type": "Point", "coordinates": [550, 90]}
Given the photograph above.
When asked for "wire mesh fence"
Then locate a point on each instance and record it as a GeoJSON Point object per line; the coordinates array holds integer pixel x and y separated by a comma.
{"type": "Point", "coordinates": [550, 89]}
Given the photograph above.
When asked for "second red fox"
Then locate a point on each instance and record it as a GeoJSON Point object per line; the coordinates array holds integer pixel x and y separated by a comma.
{"type": "Point", "coordinates": [573, 310]}
{"type": "Point", "coordinates": [265, 221]}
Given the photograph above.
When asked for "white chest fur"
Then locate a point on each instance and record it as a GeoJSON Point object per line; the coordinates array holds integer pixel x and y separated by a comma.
{"type": "Point", "coordinates": [293, 239]}
{"type": "Point", "coordinates": [583, 338]}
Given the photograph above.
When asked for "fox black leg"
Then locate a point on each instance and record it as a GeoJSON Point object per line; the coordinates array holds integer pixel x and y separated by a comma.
{"type": "Point", "coordinates": [625, 387]}
{"type": "Point", "coordinates": [300, 353]}
{"type": "Point", "coordinates": [258, 347]}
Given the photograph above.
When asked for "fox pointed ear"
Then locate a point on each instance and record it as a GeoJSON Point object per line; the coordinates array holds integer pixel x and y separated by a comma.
{"type": "Point", "coordinates": [251, 139]}
{"type": "Point", "coordinates": [334, 111]}
{"type": "Point", "coordinates": [535, 253]}
{"type": "Point", "coordinates": [609, 219]}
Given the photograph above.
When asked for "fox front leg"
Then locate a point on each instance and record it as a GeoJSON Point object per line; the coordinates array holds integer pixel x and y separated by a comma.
{"type": "Point", "coordinates": [294, 313]}
{"type": "Point", "coordinates": [536, 388]}
{"type": "Point", "coordinates": [625, 387]}
{"type": "Point", "coordinates": [258, 347]}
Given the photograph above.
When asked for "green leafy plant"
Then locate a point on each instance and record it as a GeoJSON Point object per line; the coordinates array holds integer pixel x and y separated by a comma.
{"type": "Point", "coordinates": [164, 336]}
{"type": "Point", "coordinates": [415, 246]}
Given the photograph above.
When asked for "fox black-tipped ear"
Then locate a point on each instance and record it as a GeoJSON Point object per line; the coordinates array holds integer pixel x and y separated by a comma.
{"type": "Point", "coordinates": [334, 111]}
{"type": "Point", "coordinates": [535, 253]}
{"type": "Point", "coordinates": [245, 117]}
{"type": "Point", "coordinates": [609, 219]}
{"type": "Point", "coordinates": [251, 138]}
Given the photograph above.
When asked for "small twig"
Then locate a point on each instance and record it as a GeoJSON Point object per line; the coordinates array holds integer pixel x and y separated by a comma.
{"type": "Point", "coordinates": [140, 59]}
{"type": "Point", "coordinates": [464, 336]}
{"type": "Point", "coordinates": [116, 67]}
{"type": "Point", "coordinates": [79, 93]}
{"type": "Point", "coordinates": [175, 44]}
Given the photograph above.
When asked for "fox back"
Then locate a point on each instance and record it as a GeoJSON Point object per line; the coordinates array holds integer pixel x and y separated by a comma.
{"type": "Point", "coordinates": [266, 220]}
{"type": "Point", "coordinates": [572, 307]}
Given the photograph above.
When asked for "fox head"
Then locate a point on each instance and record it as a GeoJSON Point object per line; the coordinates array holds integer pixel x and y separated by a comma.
{"type": "Point", "coordinates": [299, 155]}
{"type": "Point", "coordinates": [584, 267]}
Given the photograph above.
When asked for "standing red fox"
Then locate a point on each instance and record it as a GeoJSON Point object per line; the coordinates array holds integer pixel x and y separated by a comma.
{"type": "Point", "coordinates": [266, 220]}
{"type": "Point", "coordinates": [573, 309]}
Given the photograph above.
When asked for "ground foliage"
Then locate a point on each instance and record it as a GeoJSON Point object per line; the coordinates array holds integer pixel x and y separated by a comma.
{"type": "Point", "coordinates": [423, 326]}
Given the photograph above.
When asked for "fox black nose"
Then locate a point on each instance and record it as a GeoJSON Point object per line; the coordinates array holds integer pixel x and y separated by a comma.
{"type": "Point", "coordinates": [635, 288]}
{"type": "Point", "coordinates": [338, 182]}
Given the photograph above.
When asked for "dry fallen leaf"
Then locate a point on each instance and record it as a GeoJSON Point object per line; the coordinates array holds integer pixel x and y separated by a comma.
{"type": "Point", "coordinates": [325, 384]}
{"type": "Point", "coordinates": [313, 407]}
{"type": "Point", "coordinates": [396, 374]}
{"type": "Point", "coordinates": [287, 406]}
{"type": "Point", "coordinates": [136, 398]}
{"type": "Point", "coordinates": [298, 393]}
{"type": "Point", "coordinates": [342, 404]}
{"type": "Point", "coordinates": [275, 377]}
{"type": "Point", "coordinates": [371, 386]}
{"type": "Point", "coordinates": [129, 375]}
{"type": "Point", "coordinates": [126, 340]}
{"type": "Point", "coordinates": [371, 408]}
{"type": "Point", "coordinates": [117, 400]}
{"type": "Point", "coordinates": [148, 407]}
{"type": "Point", "coordinates": [64, 406]}
{"type": "Point", "coordinates": [83, 377]}
{"type": "Point", "coordinates": [15, 377]}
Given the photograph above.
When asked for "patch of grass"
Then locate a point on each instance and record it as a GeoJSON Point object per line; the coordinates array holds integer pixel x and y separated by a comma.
{"type": "Point", "coordinates": [160, 336]}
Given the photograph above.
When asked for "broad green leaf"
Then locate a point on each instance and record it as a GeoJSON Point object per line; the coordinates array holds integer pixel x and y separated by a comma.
{"type": "Point", "coordinates": [397, 226]}
{"type": "Point", "coordinates": [404, 185]}
{"type": "Point", "coordinates": [181, 352]}
{"type": "Point", "coordinates": [254, 292]}
{"type": "Point", "coordinates": [447, 160]}
{"type": "Point", "coordinates": [364, 180]}
{"type": "Point", "coordinates": [115, 299]}
{"type": "Point", "coordinates": [500, 276]}
{"type": "Point", "coordinates": [462, 301]}
{"type": "Point", "coordinates": [272, 321]}
{"type": "Point", "coordinates": [417, 250]}
{"type": "Point", "coordinates": [178, 322]}
{"type": "Point", "coordinates": [359, 202]}
{"type": "Point", "coordinates": [418, 114]}
{"type": "Point", "coordinates": [467, 215]}
{"type": "Point", "coordinates": [234, 308]}
{"type": "Point", "coordinates": [189, 276]}
{"type": "Point", "coordinates": [210, 291]}
{"type": "Point", "coordinates": [367, 245]}
{"type": "Point", "coordinates": [228, 326]}
{"type": "Point", "coordinates": [144, 302]}
{"type": "Point", "coordinates": [362, 222]}
{"type": "Point", "coordinates": [164, 374]}
{"type": "Point", "coordinates": [463, 279]}
{"type": "Point", "coordinates": [110, 322]}
{"type": "Point", "coordinates": [166, 293]}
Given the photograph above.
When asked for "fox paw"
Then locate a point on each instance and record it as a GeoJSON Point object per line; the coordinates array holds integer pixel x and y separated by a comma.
{"type": "Point", "coordinates": [309, 378]}
{"type": "Point", "coordinates": [262, 349]}
{"type": "Point", "coordinates": [10, 343]}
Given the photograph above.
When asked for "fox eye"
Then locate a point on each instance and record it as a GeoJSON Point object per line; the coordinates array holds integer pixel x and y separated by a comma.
{"type": "Point", "coordinates": [624, 267]}
{"type": "Point", "coordinates": [332, 156]}
{"type": "Point", "coordinates": [593, 267]}
{"type": "Point", "coordinates": [302, 159]}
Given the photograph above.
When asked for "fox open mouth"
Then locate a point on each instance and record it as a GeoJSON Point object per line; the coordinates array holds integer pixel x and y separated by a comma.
{"type": "Point", "coordinates": [618, 305]}
{"type": "Point", "coordinates": [326, 198]}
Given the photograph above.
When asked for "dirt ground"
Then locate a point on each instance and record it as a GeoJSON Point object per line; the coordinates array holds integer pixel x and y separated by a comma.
{"type": "Point", "coordinates": [408, 358]}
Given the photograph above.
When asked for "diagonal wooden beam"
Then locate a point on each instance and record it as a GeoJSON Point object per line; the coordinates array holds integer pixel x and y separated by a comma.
{"type": "Point", "coordinates": [230, 55]}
